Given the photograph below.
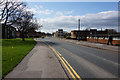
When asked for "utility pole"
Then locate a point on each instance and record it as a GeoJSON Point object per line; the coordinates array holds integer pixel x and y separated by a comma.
{"type": "Point", "coordinates": [78, 29]}
{"type": "Point", "coordinates": [78, 24]}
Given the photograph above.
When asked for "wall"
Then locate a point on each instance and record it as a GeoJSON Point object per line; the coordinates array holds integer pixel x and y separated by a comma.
{"type": "Point", "coordinates": [102, 41]}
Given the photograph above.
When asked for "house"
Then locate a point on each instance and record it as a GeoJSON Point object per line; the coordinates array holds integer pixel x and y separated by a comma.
{"type": "Point", "coordinates": [17, 34]}
{"type": "Point", "coordinates": [8, 32]}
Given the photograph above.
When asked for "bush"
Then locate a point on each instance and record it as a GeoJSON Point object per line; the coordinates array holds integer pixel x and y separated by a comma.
{"type": "Point", "coordinates": [68, 37]}
{"type": "Point", "coordinates": [43, 36]}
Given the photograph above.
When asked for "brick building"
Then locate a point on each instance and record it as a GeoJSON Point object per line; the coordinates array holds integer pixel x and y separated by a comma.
{"type": "Point", "coordinates": [94, 35]}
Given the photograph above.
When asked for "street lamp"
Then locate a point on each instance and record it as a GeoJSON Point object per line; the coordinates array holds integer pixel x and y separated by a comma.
{"type": "Point", "coordinates": [78, 24]}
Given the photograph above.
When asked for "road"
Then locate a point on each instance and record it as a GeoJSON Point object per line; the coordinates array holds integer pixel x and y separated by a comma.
{"type": "Point", "coordinates": [86, 61]}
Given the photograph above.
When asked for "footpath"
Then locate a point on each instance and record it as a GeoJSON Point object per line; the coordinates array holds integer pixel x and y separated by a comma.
{"type": "Point", "coordinates": [94, 45]}
{"type": "Point", "coordinates": [40, 63]}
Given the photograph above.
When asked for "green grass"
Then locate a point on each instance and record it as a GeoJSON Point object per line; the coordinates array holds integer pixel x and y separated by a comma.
{"type": "Point", "coordinates": [13, 51]}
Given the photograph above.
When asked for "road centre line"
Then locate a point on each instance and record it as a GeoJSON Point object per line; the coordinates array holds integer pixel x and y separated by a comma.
{"type": "Point", "coordinates": [60, 59]}
{"type": "Point", "coordinates": [70, 67]}
{"type": "Point", "coordinates": [64, 63]}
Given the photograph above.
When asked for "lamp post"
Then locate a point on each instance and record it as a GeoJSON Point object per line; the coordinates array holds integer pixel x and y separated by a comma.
{"type": "Point", "coordinates": [78, 29]}
{"type": "Point", "coordinates": [78, 24]}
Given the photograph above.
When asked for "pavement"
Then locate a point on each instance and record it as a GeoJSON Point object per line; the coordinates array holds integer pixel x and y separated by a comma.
{"type": "Point", "coordinates": [39, 63]}
{"type": "Point", "coordinates": [94, 45]}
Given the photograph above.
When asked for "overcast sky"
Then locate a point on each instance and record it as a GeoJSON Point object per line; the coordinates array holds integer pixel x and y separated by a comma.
{"type": "Point", "coordinates": [65, 15]}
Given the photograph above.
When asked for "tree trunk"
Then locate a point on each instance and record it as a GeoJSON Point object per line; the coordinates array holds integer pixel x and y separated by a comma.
{"type": "Point", "coordinates": [23, 39]}
{"type": "Point", "coordinates": [22, 36]}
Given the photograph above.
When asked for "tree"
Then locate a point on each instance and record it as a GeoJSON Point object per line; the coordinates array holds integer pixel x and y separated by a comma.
{"type": "Point", "coordinates": [22, 21]}
{"type": "Point", "coordinates": [15, 14]}
{"type": "Point", "coordinates": [7, 9]}
{"type": "Point", "coordinates": [34, 25]}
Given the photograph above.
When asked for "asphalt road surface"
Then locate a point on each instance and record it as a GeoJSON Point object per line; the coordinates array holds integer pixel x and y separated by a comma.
{"type": "Point", "coordinates": [86, 61]}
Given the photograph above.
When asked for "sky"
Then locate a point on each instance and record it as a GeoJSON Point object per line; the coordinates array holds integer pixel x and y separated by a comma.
{"type": "Point", "coordinates": [65, 15]}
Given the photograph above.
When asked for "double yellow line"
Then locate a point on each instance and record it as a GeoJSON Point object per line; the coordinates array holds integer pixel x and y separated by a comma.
{"type": "Point", "coordinates": [66, 64]}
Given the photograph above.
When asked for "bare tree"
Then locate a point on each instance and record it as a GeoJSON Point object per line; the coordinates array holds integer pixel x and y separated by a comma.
{"type": "Point", "coordinates": [22, 21]}
{"type": "Point", "coordinates": [7, 9]}
{"type": "Point", "coordinates": [15, 14]}
{"type": "Point", "coordinates": [33, 27]}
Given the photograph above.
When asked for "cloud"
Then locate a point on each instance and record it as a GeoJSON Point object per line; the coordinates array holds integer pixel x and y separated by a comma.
{"type": "Point", "coordinates": [47, 11]}
{"type": "Point", "coordinates": [33, 10]}
{"type": "Point", "coordinates": [38, 10]}
{"type": "Point", "coordinates": [38, 7]}
{"type": "Point", "coordinates": [107, 19]}
{"type": "Point", "coordinates": [69, 12]}
{"type": "Point", "coordinates": [59, 13]}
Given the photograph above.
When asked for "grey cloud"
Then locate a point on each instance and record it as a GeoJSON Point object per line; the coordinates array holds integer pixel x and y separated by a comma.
{"type": "Point", "coordinates": [107, 19]}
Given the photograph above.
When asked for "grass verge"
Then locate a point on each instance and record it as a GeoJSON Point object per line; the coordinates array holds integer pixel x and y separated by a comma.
{"type": "Point", "coordinates": [13, 51]}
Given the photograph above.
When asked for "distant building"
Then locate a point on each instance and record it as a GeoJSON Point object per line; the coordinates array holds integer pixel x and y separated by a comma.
{"type": "Point", "coordinates": [8, 32]}
{"type": "Point", "coordinates": [66, 34]}
{"type": "Point", "coordinates": [59, 33]}
{"type": "Point", "coordinates": [94, 35]}
{"type": "Point", "coordinates": [17, 34]}
{"type": "Point", "coordinates": [49, 34]}
{"type": "Point", "coordinates": [83, 34]}
{"type": "Point", "coordinates": [55, 34]}
{"type": "Point", "coordinates": [39, 34]}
